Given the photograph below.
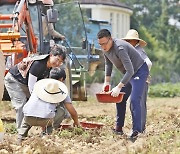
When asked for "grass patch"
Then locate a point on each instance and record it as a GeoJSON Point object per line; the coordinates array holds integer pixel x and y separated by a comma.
{"type": "Point", "coordinates": [165, 90]}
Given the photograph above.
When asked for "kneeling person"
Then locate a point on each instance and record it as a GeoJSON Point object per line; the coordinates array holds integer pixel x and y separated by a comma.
{"type": "Point", "coordinates": [41, 106]}
{"type": "Point", "coordinates": [65, 107]}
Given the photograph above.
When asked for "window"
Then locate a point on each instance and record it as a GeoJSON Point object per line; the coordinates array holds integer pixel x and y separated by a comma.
{"type": "Point", "coordinates": [89, 13]}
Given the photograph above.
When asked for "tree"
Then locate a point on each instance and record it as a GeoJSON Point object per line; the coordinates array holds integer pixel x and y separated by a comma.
{"type": "Point", "coordinates": [152, 20]}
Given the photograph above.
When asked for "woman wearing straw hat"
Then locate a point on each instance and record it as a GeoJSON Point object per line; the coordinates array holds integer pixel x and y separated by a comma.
{"type": "Point", "coordinates": [132, 37]}
{"type": "Point", "coordinates": [135, 72]}
{"type": "Point", "coordinates": [40, 108]}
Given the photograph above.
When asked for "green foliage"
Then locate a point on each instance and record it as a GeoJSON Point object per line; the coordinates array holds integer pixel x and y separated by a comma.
{"type": "Point", "coordinates": [10, 128]}
{"type": "Point", "coordinates": [67, 133]}
{"type": "Point", "coordinates": [165, 90]}
{"type": "Point", "coordinates": [151, 19]}
{"type": "Point", "coordinates": [70, 23]}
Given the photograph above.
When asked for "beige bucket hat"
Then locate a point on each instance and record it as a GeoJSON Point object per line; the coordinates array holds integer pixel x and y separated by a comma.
{"type": "Point", "coordinates": [51, 90]}
{"type": "Point", "coordinates": [134, 35]}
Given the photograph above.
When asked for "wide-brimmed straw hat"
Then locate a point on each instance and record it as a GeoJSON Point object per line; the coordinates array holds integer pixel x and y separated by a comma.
{"type": "Point", "coordinates": [51, 90]}
{"type": "Point", "coordinates": [133, 35]}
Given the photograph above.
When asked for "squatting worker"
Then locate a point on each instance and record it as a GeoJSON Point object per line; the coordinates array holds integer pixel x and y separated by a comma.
{"type": "Point", "coordinates": [65, 108]}
{"type": "Point", "coordinates": [132, 37]}
{"type": "Point", "coordinates": [128, 61]}
{"type": "Point", "coordinates": [40, 108]}
{"type": "Point", "coordinates": [20, 83]}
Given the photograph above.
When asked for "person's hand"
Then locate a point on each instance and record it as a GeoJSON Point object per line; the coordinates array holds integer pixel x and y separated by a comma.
{"type": "Point", "coordinates": [148, 79]}
{"type": "Point", "coordinates": [63, 37]}
{"type": "Point", "coordinates": [106, 87]}
{"type": "Point", "coordinates": [76, 124]}
{"type": "Point", "coordinates": [115, 91]}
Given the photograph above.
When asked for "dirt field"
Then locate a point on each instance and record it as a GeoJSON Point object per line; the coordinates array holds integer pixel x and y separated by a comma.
{"type": "Point", "coordinates": [162, 134]}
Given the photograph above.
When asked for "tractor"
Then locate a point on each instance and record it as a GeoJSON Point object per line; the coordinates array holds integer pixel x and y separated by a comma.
{"type": "Point", "coordinates": [21, 34]}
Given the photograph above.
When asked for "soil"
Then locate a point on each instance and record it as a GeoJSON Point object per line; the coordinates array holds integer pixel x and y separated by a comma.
{"type": "Point", "coordinates": [163, 127]}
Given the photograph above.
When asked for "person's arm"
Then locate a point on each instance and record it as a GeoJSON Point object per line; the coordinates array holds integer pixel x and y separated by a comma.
{"type": "Point", "coordinates": [72, 112]}
{"type": "Point", "coordinates": [31, 81]}
{"type": "Point", "coordinates": [54, 33]}
{"type": "Point", "coordinates": [148, 62]}
{"type": "Point", "coordinates": [108, 71]}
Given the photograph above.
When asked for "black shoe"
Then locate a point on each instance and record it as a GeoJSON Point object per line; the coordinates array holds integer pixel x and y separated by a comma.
{"type": "Point", "coordinates": [118, 132]}
{"type": "Point", "coordinates": [134, 136]}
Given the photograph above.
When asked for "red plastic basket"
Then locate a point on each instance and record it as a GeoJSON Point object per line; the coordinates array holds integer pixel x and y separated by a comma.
{"type": "Point", "coordinates": [107, 98]}
{"type": "Point", "coordinates": [91, 125]}
{"type": "Point", "coordinates": [65, 126]}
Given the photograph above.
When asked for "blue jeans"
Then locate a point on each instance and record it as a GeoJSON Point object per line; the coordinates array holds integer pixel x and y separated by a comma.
{"type": "Point", "coordinates": [135, 88]}
{"type": "Point", "coordinates": [144, 107]}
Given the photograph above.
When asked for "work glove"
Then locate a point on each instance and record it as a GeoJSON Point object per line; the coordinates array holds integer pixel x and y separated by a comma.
{"type": "Point", "coordinates": [106, 87]}
{"type": "Point", "coordinates": [115, 91]}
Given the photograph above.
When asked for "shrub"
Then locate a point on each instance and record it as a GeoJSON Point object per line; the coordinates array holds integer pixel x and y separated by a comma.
{"type": "Point", "coordinates": [164, 90]}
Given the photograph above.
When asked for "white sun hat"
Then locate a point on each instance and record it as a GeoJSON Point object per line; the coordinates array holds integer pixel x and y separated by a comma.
{"type": "Point", "coordinates": [51, 90]}
{"type": "Point", "coordinates": [132, 34]}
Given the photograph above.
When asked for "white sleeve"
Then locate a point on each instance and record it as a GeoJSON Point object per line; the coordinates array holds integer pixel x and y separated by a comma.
{"type": "Point", "coordinates": [31, 81]}
{"type": "Point", "coordinates": [148, 62]}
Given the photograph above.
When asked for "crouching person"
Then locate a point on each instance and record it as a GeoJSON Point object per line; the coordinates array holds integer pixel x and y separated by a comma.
{"type": "Point", "coordinates": [64, 108]}
{"type": "Point", "coordinates": [41, 106]}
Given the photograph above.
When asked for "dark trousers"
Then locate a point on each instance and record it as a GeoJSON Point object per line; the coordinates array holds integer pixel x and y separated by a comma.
{"type": "Point", "coordinates": [135, 88]}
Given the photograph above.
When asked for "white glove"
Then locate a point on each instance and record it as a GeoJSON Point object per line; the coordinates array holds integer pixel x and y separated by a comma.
{"type": "Point", "coordinates": [106, 87]}
{"type": "Point", "coordinates": [115, 91]}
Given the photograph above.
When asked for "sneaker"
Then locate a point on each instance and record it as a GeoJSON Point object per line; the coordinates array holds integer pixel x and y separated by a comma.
{"type": "Point", "coordinates": [133, 137]}
{"type": "Point", "coordinates": [117, 132]}
{"type": "Point", "coordinates": [134, 134]}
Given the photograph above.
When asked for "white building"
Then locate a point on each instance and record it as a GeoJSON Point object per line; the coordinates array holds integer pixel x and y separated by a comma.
{"type": "Point", "coordinates": [116, 13]}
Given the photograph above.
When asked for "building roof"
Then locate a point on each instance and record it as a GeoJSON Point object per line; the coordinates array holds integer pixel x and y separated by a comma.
{"type": "Point", "coordinates": [105, 2]}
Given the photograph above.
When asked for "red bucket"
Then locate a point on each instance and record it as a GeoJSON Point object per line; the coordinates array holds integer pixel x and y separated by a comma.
{"type": "Point", "coordinates": [104, 97]}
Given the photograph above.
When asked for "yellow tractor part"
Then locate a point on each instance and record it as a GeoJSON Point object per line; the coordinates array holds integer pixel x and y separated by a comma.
{"type": "Point", "coordinates": [9, 36]}
{"type": "Point", "coordinates": [9, 42]}
{"type": "Point", "coordinates": [1, 130]}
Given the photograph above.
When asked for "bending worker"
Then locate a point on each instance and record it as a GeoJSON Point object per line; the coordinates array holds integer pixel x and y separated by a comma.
{"type": "Point", "coordinates": [135, 72]}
